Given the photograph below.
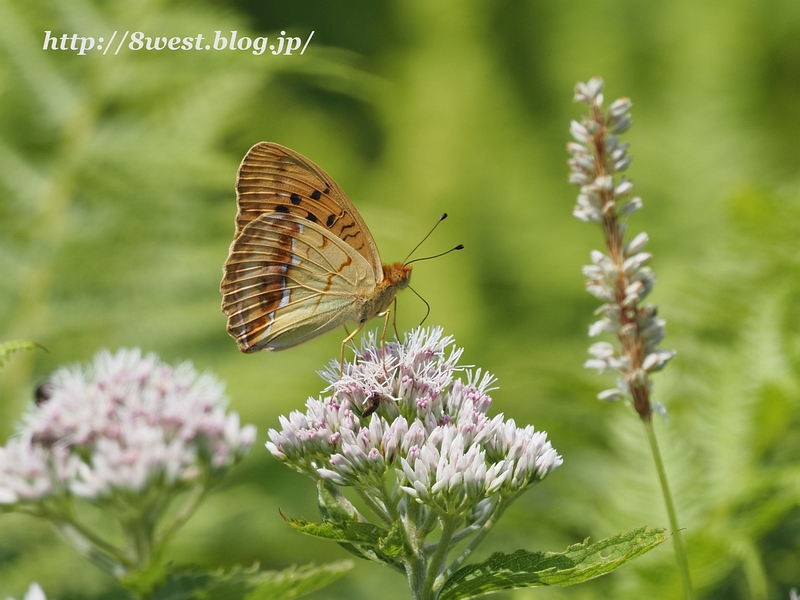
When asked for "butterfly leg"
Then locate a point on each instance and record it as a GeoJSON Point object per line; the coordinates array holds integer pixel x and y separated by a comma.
{"type": "Point", "coordinates": [385, 314]}
{"type": "Point", "coordinates": [394, 321]}
{"type": "Point", "coordinates": [344, 343]}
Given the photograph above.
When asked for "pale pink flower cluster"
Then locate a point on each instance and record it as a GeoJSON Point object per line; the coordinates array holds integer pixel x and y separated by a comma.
{"type": "Point", "coordinates": [123, 423]}
{"type": "Point", "coordinates": [400, 410]}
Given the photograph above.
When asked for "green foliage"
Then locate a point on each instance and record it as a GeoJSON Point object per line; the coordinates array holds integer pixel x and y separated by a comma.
{"type": "Point", "coordinates": [343, 524]}
{"type": "Point", "coordinates": [576, 564]}
{"type": "Point", "coordinates": [251, 584]}
{"type": "Point", "coordinates": [360, 533]}
{"type": "Point", "coordinates": [364, 540]}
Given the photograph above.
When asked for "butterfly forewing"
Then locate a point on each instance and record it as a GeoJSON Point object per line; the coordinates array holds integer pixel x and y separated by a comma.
{"type": "Point", "coordinates": [287, 280]}
{"type": "Point", "coordinates": [275, 179]}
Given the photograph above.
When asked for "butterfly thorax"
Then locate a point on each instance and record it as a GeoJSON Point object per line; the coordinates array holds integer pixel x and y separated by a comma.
{"type": "Point", "coordinates": [397, 275]}
{"type": "Point", "coordinates": [395, 278]}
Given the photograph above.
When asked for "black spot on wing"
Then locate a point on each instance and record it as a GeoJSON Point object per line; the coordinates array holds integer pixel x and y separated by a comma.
{"type": "Point", "coordinates": [295, 199]}
{"type": "Point", "coordinates": [316, 194]}
{"type": "Point", "coordinates": [331, 219]}
{"type": "Point", "coordinates": [282, 208]}
{"type": "Point", "coordinates": [312, 217]}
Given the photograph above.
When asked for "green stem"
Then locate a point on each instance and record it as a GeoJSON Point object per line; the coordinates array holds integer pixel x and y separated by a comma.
{"type": "Point", "coordinates": [376, 506]}
{"type": "Point", "coordinates": [437, 561]}
{"type": "Point", "coordinates": [89, 549]}
{"type": "Point", "coordinates": [680, 552]}
{"type": "Point", "coordinates": [186, 511]}
{"type": "Point", "coordinates": [496, 513]}
{"type": "Point", "coordinates": [81, 537]}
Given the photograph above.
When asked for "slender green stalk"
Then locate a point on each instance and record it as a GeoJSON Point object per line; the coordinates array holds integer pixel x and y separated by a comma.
{"type": "Point", "coordinates": [437, 561]}
{"type": "Point", "coordinates": [680, 552]}
{"type": "Point", "coordinates": [496, 513]}
{"type": "Point", "coordinates": [376, 507]}
{"type": "Point", "coordinates": [186, 511]}
{"type": "Point", "coordinates": [108, 562]}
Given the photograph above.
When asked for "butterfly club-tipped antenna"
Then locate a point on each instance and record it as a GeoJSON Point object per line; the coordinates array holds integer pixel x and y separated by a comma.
{"type": "Point", "coordinates": [410, 254]}
{"type": "Point", "coordinates": [442, 218]}
{"type": "Point", "coordinates": [428, 306]}
{"type": "Point", "coordinates": [408, 262]}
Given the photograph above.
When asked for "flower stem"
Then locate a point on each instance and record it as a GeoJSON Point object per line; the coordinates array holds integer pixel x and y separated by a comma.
{"type": "Point", "coordinates": [482, 533]}
{"type": "Point", "coordinates": [680, 552]}
{"type": "Point", "coordinates": [187, 510]}
{"type": "Point", "coordinates": [437, 561]}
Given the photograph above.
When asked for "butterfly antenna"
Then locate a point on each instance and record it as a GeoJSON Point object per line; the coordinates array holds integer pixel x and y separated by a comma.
{"type": "Point", "coordinates": [459, 247]}
{"type": "Point", "coordinates": [442, 218]}
{"type": "Point", "coordinates": [428, 312]}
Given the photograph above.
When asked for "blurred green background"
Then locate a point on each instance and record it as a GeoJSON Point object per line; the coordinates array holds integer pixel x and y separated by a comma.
{"type": "Point", "coordinates": [117, 208]}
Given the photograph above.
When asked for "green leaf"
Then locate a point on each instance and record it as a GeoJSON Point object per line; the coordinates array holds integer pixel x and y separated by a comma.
{"type": "Point", "coordinates": [334, 505]}
{"type": "Point", "coordinates": [342, 521]}
{"type": "Point", "coordinates": [203, 584]}
{"type": "Point", "coordinates": [250, 583]}
{"type": "Point", "coordinates": [8, 348]}
{"type": "Point", "coordinates": [394, 542]}
{"type": "Point", "coordinates": [527, 569]}
{"type": "Point", "coordinates": [361, 539]}
{"type": "Point", "coordinates": [362, 533]}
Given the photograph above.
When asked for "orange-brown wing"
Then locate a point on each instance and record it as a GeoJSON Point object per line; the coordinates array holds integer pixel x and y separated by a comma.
{"type": "Point", "coordinates": [288, 280]}
{"type": "Point", "coordinates": [275, 179]}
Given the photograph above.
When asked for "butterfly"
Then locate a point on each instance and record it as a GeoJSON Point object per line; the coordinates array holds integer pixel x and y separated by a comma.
{"type": "Point", "coordinates": [302, 261]}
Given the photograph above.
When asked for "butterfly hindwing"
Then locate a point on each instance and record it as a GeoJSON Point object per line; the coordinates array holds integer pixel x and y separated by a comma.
{"type": "Point", "coordinates": [287, 280]}
{"type": "Point", "coordinates": [275, 179]}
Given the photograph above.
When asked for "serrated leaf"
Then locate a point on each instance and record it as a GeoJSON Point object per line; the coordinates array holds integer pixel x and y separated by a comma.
{"type": "Point", "coordinates": [394, 542]}
{"type": "Point", "coordinates": [360, 539]}
{"type": "Point", "coordinates": [297, 581]}
{"type": "Point", "coordinates": [527, 569]}
{"type": "Point", "coordinates": [250, 583]}
{"type": "Point", "coordinates": [186, 585]}
{"type": "Point", "coordinates": [12, 346]}
{"type": "Point", "coordinates": [334, 505]}
{"type": "Point", "coordinates": [361, 533]}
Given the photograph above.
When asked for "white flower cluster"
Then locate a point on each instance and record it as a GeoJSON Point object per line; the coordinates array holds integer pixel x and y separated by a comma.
{"type": "Point", "coordinates": [620, 279]}
{"type": "Point", "coordinates": [34, 592]}
{"type": "Point", "coordinates": [400, 410]}
{"type": "Point", "coordinates": [125, 422]}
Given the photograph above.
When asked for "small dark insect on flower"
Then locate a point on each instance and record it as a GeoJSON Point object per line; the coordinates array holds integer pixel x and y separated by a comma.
{"type": "Point", "coordinates": [43, 392]}
{"type": "Point", "coordinates": [371, 404]}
